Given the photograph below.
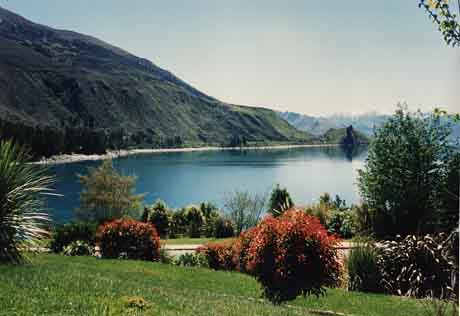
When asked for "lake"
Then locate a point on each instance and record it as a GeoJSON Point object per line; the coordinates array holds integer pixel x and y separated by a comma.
{"type": "Point", "coordinates": [183, 178]}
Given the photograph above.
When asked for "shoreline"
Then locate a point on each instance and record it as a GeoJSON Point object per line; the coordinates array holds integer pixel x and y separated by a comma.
{"type": "Point", "coordinates": [70, 158]}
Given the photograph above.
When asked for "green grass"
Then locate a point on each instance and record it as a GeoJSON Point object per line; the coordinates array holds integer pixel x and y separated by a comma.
{"type": "Point", "coordinates": [58, 285]}
{"type": "Point", "coordinates": [192, 241]}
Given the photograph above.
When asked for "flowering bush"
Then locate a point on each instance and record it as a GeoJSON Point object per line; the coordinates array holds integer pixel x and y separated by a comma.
{"type": "Point", "coordinates": [240, 248]}
{"type": "Point", "coordinates": [292, 255]}
{"type": "Point", "coordinates": [130, 239]}
{"type": "Point", "coordinates": [219, 255]}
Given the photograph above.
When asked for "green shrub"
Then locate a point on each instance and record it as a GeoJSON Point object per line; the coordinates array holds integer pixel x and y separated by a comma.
{"type": "Point", "coordinates": [192, 260]}
{"type": "Point", "coordinates": [195, 221]}
{"type": "Point", "coordinates": [159, 215]}
{"type": "Point", "coordinates": [320, 211]}
{"type": "Point", "coordinates": [178, 223]}
{"type": "Point", "coordinates": [128, 239]}
{"type": "Point", "coordinates": [363, 270]}
{"type": "Point", "coordinates": [23, 220]}
{"type": "Point", "coordinates": [78, 248]}
{"type": "Point", "coordinates": [165, 257]}
{"type": "Point", "coordinates": [280, 200]}
{"type": "Point", "coordinates": [223, 228]}
{"type": "Point", "coordinates": [418, 266]}
{"type": "Point", "coordinates": [342, 223]}
{"type": "Point", "coordinates": [65, 234]}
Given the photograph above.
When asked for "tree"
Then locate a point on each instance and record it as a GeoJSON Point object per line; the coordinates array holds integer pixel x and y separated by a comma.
{"type": "Point", "coordinates": [107, 194]}
{"type": "Point", "coordinates": [440, 12]}
{"type": "Point", "coordinates": [22, 215]}
{"type": "Point", "coordinates": [404, 173]}
{"type": "Point", "coordinates": [243, 209]}
{"type": "Point", "coordinates": [195, 220]}
{"type": "Point", "coordinates": [159, 215]}
{"type": "Point", "coordinates": [280, 200]}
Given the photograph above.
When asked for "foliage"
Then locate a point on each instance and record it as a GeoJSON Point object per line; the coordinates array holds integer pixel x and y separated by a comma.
{"type": "Point", "coordinates": [440, 12]}
{"type": "Point", "coordinates": [130, 239]}
{"type": "Point", "coordinates": [363, 270]}
{"type": "Point", "coordinates": [158, 214]}
{"type": "Point", "coordinates": [449, 196]}
{"type": "Point", "coordinates": [223, 228]}
{"type": "Point", "coordinates": [178, 223]}
{"type": "Point", "coordinates": [192, 260]}
{"type": "Point", "coordinates": [244, 209]}
{"type": "Point", "coordinates": [363, 217]}
{"type": "Point", "coordinates": [106, 194]}
{"type": "Point", "coordinates": [404, 172]}
{"type": "Point", "coordinates": [342, 223]}
{"type": "Point", "coordinates": [322, 211]}
{"type": "Point", "coordinates": [135, 302]}
{"type": "Point", "coordinates": [78, 248]}
{"type": "Point", "coordinates": [65, 234]}
{"type": "Point", "coordinates": [211, 215]}
{"type": "Point", "coordinates": [195, 220]}
{"type": "Point", "coordinates": [280, 200]}
{"type": "Point", "coordinates": [219, 256]}
{"type": "Point", "coordinates": [293, 255]}
{"type": "Point", "coordinates": [22, 215]}
{"type": "Point", "coordinates": [165, 257]}
{"type": "Point", "coordinates": [418, 266]}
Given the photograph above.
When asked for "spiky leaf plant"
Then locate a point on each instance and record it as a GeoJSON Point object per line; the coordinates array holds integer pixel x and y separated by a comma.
{"type": "Point", "coordinates": [22, 187]}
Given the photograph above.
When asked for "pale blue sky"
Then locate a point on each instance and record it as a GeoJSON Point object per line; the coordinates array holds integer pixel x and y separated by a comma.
{"type": "Point", "coordinates": [313, 57]}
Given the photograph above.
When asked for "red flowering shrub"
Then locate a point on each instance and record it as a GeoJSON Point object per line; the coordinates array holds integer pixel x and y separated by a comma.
{"type": "Point", "coordinates": [240, 249]}
{"type": "Point", "coordinates": [128, 238]}
{"type": "Point", "coordinates": [219, 255]}
{"type": "Point", "coordinates": [292, 255]}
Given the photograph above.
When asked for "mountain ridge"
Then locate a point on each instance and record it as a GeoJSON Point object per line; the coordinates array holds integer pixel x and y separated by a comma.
{"type": "Point", "coordinates": [63, 82]}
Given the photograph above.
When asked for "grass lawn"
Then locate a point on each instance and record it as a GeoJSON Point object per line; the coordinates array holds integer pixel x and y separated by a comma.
{"type": "Point", "coordinates": [58, 285]}
{"type": "Point", "coordinates": [191, 241]}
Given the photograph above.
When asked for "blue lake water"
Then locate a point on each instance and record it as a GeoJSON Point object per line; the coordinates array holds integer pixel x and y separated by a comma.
{"type": "Point", "coordinates": [191, 177]}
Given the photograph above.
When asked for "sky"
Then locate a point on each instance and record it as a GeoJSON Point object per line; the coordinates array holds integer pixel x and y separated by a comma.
{"type": "Point", "coordinates": [311, 57]}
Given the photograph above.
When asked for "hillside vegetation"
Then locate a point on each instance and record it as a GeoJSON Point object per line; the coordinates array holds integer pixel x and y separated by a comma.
{"type": "Point", "coordinates": [76, 88]}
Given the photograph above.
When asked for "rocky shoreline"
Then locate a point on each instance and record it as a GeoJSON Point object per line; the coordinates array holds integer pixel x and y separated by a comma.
{"type": "Point", "coordinates": [69, 158]}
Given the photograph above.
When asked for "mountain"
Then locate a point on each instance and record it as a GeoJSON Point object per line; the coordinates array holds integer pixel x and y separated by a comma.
{"type": "Point", "coordinates": [348, 136]}
{"type": "Point", "coordinates": [364, 123]}
{"type": "Point", "coordinates": [69, 86]}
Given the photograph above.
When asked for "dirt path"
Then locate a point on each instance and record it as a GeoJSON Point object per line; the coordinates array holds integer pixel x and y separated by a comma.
{"type": "Point", "coordinates": [177, 250]}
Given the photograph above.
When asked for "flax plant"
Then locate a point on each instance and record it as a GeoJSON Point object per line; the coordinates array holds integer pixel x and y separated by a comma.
{"type": "Point", "coordinates": [23, 219]}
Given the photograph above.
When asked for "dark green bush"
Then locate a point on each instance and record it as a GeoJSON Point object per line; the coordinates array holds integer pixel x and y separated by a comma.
{"type": "Point", "coordinates": [223, 228]}
{"type": "Point", "coordinates": [363, 270]}
{"type": "Point", "coordinates": [192, 260]}
{"type": "Point", "coordinates": [128, 239]}
{"type": "Point", "coordinates": [342, 223]}
{"type": "Point", "coordinates": [280, 200]}
{"type": "Point", "coordinates": [418, 266]}
{"type": "Point", "coordinates": [178, 223]}
{"type": "Point", "coordinates": [65, 234]}
{"type": "Point", "coordinates": [78, 248]}
{"type": "Point", "coordinates": [195, 220]}
{"type": "Point", "coordinates": [159, 215]}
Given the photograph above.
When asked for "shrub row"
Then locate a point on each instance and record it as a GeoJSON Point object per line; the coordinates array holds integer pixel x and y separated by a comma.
{"type": "Point", "coordinates": [192, 221]}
